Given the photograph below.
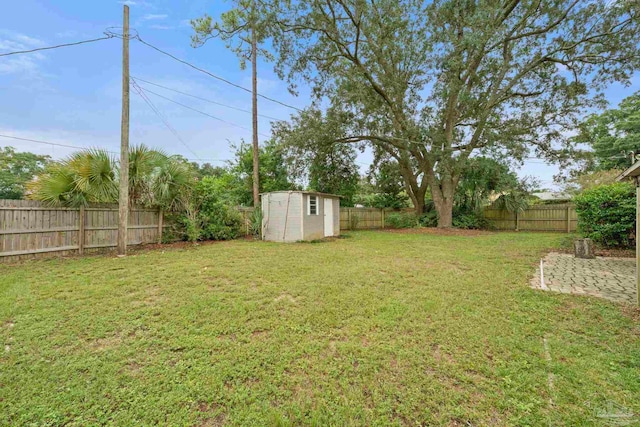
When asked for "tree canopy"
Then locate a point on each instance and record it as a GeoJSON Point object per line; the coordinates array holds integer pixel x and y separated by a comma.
{"type": "Point", "coordinates": [431, 83]}
{"type": "Point", "coordinates": [16, 170]}
{"type": "Point", "coordinates": [613, 135]}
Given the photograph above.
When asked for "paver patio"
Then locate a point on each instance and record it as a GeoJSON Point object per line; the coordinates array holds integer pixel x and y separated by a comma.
{"type": "Point", "coordinates": [610, 278]}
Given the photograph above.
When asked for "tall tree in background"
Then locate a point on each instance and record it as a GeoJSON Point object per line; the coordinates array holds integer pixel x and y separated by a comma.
{"type": "Point", "coordinates": [431, 83]}
{"type": "Point", "coordinates": [613, 135]}
{"type": "Point", "coordinates": [242, 28]}
{"type": "Point", "coordinates": [333, 170]}
{"type": "Point", "coordinates": [274, 173]}
{"type": "Point", "coordinates": [16, 170]}
{"type": "Point", "coordinates": [383, 186]}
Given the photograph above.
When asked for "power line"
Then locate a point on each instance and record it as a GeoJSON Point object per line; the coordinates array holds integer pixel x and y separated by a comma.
{"type": "Point", "coordinates": [164, 120]}
{"type": "Point", "coordinates": [201, 112]}
{"type": "Point", "coordinates": [57, 46]}
{"type": "Point", "coordinates": [202, 70]}
{"type": "Point", "coordinates": [50, 143]}
{"type": "Point", "coordinates": [207, 100]}
{"type": "Point", "coordinates": [87, 148]}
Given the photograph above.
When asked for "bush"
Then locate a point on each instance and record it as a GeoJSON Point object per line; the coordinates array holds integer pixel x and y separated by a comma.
{"type": "Point", "coordinates": [470, 220]}
{"type": "Point", "coordinates": [354, 220]}
{"type": "Point", "coordinates": [401, 220]}
{"type": "Point", "coordinates": [429, 219]}
{"type": "Point", "coordinates": [607, 214]}
{"type": "Point", "coordinates": [220, 222]}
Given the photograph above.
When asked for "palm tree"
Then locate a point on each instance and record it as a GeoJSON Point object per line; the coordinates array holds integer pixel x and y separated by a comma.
{"type": "Point", "coordinates": [85, 177]}
{"type": "Point", "coordinates": [91, 176]}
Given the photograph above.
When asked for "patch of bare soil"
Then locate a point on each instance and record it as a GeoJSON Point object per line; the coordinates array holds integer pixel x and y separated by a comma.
{"type": "Point", "coordinates": [440, 231]}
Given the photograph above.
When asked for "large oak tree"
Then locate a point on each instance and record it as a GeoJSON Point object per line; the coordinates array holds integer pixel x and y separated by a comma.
{"type": "Point", "coordinates": [432, 83]}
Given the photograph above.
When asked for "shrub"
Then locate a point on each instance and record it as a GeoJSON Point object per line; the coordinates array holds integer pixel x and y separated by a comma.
{"type": "Point", "coordinates": [429, 219]}
{"type": "Point", "coordinates": [255, 223]}
{"type": "Point", "coordinates": [401, 220]}
{"type": "Point", "coordinates": [354, 220]}
{"type": "Point", "coordinates": [470, 220]}
{"type": "Point", "coordinates": [220, 221]}
{"type": "Point", "coordinates": [606, 214]}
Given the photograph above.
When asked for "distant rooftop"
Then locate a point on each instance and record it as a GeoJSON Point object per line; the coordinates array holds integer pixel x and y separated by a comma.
{"type": "Point", "coordinates": [548, 196]}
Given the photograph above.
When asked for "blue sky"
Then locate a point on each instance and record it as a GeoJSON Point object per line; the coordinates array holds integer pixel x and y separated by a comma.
{"type": "Point", "coordinates": [72, 95]}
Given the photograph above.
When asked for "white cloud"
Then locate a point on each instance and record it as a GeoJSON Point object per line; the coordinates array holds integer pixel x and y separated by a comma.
{"type": "Point", "coordinates": [25, 63]}
{"type": "Point", "coordinates": [132, 3]}
{"type": "Point", "coordinates": [154, 17]}
{"type": "Point", "coordinates": [161, 27]}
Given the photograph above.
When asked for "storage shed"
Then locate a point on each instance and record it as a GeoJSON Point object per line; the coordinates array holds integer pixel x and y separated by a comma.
{"type": "Point", "coordinates": [291, 216]}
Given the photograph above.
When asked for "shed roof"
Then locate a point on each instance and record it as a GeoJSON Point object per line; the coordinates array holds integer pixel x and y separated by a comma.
{"type": "Point", "coordinates": [316, 193]}
{"type": "Point", "coordinates": [632, 172]}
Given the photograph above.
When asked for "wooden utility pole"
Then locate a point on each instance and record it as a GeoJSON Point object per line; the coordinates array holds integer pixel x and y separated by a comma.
{"type": "Point", "coordinates": [254, 78]}
{"type": "Point", "coordinates": [123, 200]}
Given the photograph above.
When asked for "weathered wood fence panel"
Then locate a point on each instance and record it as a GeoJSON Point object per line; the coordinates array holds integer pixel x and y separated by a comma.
{"type": "Point", "coordinates": [30, 229]}
{"type": "Point", "coordinates": [536, 218]}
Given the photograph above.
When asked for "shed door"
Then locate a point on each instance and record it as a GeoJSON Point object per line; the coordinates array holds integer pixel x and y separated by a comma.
{"type": "Point", "coordinates": [328, 216]}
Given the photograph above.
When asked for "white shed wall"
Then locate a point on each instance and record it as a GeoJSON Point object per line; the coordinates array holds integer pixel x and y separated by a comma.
{"type": "Point", "coordinates": [280, 224]}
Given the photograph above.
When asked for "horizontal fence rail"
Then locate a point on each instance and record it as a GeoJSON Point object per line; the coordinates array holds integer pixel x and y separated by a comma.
{"type": "Point", "coordinates": [536, 218]}
{"type": "Point", "coordinates": [29, 229]}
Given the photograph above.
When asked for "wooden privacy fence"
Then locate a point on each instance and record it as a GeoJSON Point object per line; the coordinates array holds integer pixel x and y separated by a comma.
{"type": "Point", "coordinates": [30, 229]}
{"type": "Point", "coordinates": [535, 218]}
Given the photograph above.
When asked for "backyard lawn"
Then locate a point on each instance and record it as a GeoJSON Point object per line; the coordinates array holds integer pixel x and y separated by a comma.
{"type": "Point", "coordinates": [379, 328]}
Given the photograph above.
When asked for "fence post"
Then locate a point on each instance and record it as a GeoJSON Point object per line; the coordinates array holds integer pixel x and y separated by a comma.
{"type": "Point", "coordinates": [81, 233]}
{"type": "Point", "coordinates": [382, 211]}
{"type": "Point", "coordinates": [517, 220]}
{"type": "Point", "coordinates": [349, 218]}
{"type": "Point", "coordinates": [568, 219]}
{"type": "Point", "coordinates": [160, 224]}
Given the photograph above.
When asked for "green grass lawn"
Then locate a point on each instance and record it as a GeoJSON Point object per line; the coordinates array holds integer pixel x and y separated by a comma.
{"type": "Point", "coordinates": [376, 329]}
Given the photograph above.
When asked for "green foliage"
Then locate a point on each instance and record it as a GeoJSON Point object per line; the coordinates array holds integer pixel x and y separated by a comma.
{"type": "Point", "coordinates": [431, 83]}
{"type": "Point", "coordinates": [613, 135]}
{"type": "Point", "coordinates": [274, 175]}
{"type": "Point", "coordinates": [333, 170]}
{"type": "Point", "coordinates": [255, 223]}
{"type": "Point", "coordinates": [428, 219]}
{"type": "Point", "coordinates": [91, 176]}
{"type": "Point", "coordinates": [354, 220]}
{"type": "Point", "coordinates": [589, 180]}
{"type": "Point", "coordinates": [87, 176]}
{"type": "Point", "coordinates": [401, 220]}
{"type": "Point", "coordinates": [470, 219]}
{"type": "Point", "coordinates": [16, 170]}
{"type": "Point", "coordinates": [607, 214]}
{"type": "Point", "coordinates": [220, 221]}
{"type": "Point", "coordinates": [482, 177]}
{"type": "Point", "coordinates": [235, 27]}
{"type": "Point", "coordinates": [211, 212]}
{"type": "Point", "coordinates": [383, 187]}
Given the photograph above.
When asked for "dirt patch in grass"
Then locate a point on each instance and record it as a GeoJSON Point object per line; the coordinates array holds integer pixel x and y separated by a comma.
{"type": "Point", "coordinates": [440, 231]}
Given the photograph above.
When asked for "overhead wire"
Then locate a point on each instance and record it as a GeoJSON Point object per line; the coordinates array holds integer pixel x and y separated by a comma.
{"type": "Point", "coordinates": [207, 100]}
{"type": "Point", "coordinates": [201, 112]}
{"type": "Point", "coordinates": [164, 120]}
{"type": "Point", "coordinates": [50, 143]}
{"type": "Point", "coordinates": [222, 79]}
{"type": "Point", "coordinates": [18, 52]}
{"type": "Point", "coordinates": [78, 147]}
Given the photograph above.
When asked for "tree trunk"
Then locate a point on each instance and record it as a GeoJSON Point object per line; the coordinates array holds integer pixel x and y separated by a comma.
{"type": "Point", "coordinates": [256, 153]}
{"type": "Point", "coordinates": [445, 212]}
{"type": "Point", "coordinates": [443, 200]}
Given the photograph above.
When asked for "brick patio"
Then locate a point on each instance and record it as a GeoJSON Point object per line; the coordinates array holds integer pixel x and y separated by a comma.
{"type": "Point", "coordinates": [610, 278]}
